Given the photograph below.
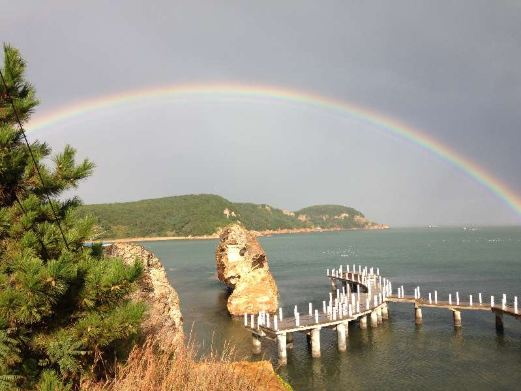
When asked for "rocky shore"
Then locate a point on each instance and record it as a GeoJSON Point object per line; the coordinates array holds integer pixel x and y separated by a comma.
{"type": "Point", "coordinates": [164, 325]}
{"type": "Point", "coordinates": [258, 233]}
{"type": "Point", "coordinates": [164, 320]}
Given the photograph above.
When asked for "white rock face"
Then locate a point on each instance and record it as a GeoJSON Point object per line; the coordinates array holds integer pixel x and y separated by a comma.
{"type": "Point", "coordinates": [164, 319]}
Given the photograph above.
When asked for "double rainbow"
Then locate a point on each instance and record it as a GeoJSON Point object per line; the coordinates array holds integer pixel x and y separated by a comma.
{"type": "Point", "coordinates": [272, 93]}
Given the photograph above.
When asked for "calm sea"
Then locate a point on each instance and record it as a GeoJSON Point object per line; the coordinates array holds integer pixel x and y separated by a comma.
{"type": "Point", "coordinates": [398, 354]}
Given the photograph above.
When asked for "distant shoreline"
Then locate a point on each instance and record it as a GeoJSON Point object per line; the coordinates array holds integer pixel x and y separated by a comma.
{"type": "Point", "coordinates": [258, 233]}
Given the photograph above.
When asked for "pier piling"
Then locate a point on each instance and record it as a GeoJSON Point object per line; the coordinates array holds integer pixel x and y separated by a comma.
{"type": "Point", "coordinates": [374, 319]}
{"type": "Point", "coordinates": [456, 315]}
{"type": "Point", "coordinates": [256, 342]}
{"type": "Point", "coordinates": [418, 319]}
{"type": "Point", "coordinates": [385, 312]}
{"type": "Point", "coordinates": [499, 323]}
{"type": "Point", "coordinates": [281, 348]}
{"type": "Point", "coordinates": [341, 331]}
{"type": "Point", "coordinates": [363, 322]}
{"type": "Point", "coordinates": [315, 342]}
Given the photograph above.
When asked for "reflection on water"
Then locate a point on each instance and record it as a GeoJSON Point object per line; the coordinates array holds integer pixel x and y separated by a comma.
{"type": "Point", "coordinates": [396, 355]}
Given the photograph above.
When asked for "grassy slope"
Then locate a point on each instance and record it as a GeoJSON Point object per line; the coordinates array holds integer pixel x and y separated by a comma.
{"type": "Point", "coordinates": [202, 214]}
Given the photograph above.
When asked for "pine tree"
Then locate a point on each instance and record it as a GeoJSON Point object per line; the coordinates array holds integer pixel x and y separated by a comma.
{"type": "Point", "coordinates": [64, 307]}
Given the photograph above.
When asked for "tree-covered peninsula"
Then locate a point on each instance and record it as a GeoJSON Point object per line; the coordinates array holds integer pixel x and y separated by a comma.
{"type": "Point", "coordinates": [206, 214]}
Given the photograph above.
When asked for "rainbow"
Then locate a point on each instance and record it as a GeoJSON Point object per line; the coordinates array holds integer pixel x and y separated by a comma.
{"type": "Point", "coordinates": [273, 93]}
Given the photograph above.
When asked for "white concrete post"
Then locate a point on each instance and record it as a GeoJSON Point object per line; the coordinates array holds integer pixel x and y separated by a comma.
{"type": "Point", "coordinates": [245, 319]}
{"type": "Point", "coordinates": [450, 298]}
{"type": "Point", "coordinates": [341, 337]}
{"type": "Point", "coordinates": [281, 348]}
{"type": "Point", "coordinates": [457, 318]}
{"type": "Point", "coordinates": [252, 323]}
{"type": "Point", "coordinates": [275, 322]}
{"type": "Point", "coordinates": [268, 320]}
{"type": "Point", "coordinates": [378, 270]}
{"type": "Point", "coordinates": [430, 298]}
{"type": "Point", "coordinates": [297, 319]}
{"type": "Point", "coordinates": [492, 301]}
{"type": "Point", "coordinates": [363, 322]}
{"type": "Point", "coordinates": [480, 298]}
{"type": "Point", "coordinates": [280, 313]}
{"type": "Point", "coordinates": [457, 298]}
{"type": "Point", "coordinates": [256, 342]}
{"type": "Point", "coordinates": [470, 300]}
{"type": "Point", "coordinates": [324, 306]}
{"type": "Point", "coordinates": [310, 309]}
{"type": "Point", "coordinates": [315, 342]}
{"type": "Point", "coordinates": [504, 301]}
{"type": "Point", "coordinates": [436, 297]}
{"type": "Point", "coordinates": [418, 315]}
{"type": "Point", "coordinates": [515, 304]}
{"type": "Point", "coordinates": [327, 273]}
{"type": "Point", "coordinates": [316, 316]}
{"type": "Point", "coordinates": [385, 311]}
{"type": "Point", "coordinates": [374, 319]}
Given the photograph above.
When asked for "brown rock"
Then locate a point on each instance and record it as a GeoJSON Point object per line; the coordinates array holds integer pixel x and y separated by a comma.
{"type": "Point", "coordinates": [243, 266]}
{"type": "Point", "coordinates": [164, 320]}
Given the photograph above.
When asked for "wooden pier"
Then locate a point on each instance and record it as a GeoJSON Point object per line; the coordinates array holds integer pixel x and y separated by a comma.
{"type": "Point", "coordinates": [359, 294]}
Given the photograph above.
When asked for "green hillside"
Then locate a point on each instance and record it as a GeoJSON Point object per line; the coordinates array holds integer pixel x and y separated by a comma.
{"type": "Point", "coordinates": [205, 214]}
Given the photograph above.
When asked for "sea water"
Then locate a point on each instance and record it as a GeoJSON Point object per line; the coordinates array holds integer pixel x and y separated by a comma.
{"type": "Point", "coordinates": [396, 355]}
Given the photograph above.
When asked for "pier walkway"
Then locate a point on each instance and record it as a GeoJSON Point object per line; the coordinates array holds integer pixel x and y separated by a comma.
{"type": "Point", "coordinates": [359, 294]}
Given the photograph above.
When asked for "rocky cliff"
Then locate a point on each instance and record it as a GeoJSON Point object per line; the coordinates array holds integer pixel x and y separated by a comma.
{"type": "Point", "coordinates": [243, 266]}
{"type": "Point", "coordinates": [164, 320]}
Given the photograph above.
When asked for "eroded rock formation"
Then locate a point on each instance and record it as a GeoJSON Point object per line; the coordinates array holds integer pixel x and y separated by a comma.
{"type": "Point", "coordinates": [242, 265]}
{"type": "Point", "coordinates": [164, 320]}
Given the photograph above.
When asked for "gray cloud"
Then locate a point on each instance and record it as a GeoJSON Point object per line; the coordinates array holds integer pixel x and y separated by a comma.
{"type": "Point", "coordinates": [449, 68]}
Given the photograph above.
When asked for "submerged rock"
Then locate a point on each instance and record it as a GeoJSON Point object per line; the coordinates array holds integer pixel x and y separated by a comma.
{"type": "Point", "coordinates": [164, 320]}
{"type": "Point", "coordinates": [243, 266]}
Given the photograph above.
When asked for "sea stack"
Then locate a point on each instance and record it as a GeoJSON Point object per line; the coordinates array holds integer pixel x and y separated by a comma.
{"type": "Point", "coordinates": [243, 266]}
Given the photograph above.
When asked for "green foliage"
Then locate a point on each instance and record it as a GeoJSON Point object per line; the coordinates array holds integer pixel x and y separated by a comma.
{"type": "Point", "coordinates": [334, 216]}
{"type": "Point", "coordinates": [203, 214]}
{"type": "Point", "coordinates": [64, 308]}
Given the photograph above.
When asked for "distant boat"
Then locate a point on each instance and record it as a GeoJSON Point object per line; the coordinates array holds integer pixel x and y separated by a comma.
{"type": "Point", "coordinates": [470, 229]}
{"type": "Point", "coordinates": [432, 226]}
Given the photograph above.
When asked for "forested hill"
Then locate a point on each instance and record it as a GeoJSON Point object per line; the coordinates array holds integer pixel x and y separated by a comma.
{"type": "Point", "coordinates": [205, 214]}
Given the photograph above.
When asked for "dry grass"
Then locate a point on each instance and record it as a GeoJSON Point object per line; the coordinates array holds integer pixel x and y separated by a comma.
{"type": "Point", "coordinates": [176, 368]}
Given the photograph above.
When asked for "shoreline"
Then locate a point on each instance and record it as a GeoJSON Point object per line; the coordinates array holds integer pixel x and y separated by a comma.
{"type": "Point", "coordinates": [265, 233]}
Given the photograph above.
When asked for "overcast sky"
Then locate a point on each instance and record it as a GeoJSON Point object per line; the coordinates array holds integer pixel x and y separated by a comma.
{"type": "Point", "coordinates": [450, 68]}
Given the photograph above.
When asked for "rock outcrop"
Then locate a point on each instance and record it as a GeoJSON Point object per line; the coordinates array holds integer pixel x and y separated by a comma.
{"type": "Point", "coordinates": [243, 266]}
{"type": "Point", "coordinates": [164, 320]}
